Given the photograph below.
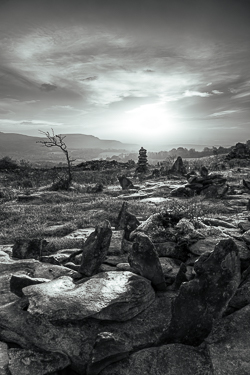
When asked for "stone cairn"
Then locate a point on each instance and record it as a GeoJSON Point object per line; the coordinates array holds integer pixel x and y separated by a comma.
{"type": "Point", "coordinates": [142, 161]}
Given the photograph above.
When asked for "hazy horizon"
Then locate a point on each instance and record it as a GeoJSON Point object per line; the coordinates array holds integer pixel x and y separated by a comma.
{"type": "Point", "coordinates": [146, 72]}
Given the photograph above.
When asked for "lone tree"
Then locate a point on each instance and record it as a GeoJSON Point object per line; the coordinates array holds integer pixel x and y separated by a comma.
{"type": "Point", "coordinates": [54, 140]}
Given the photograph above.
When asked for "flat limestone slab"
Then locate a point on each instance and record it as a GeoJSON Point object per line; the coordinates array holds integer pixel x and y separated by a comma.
{"type": "Point", "coordinates": [110, 295]}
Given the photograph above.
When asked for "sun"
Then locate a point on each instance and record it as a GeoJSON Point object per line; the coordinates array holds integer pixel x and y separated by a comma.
{"type": "Point", "coordinates": [150, 120]}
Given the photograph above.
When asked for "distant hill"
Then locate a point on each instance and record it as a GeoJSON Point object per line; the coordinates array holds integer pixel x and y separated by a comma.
{"type": "Point", "coordinates": [24, 146]}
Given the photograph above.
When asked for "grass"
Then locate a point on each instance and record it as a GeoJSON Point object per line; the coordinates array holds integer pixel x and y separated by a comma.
{"type": "Point", "coordinates": [78, 209]}
{"type": "Point", "coordinates": [31, 220]}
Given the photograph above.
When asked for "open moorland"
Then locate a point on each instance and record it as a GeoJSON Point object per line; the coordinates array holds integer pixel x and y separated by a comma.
{"type": "Point", "coordinates": [126, 266]}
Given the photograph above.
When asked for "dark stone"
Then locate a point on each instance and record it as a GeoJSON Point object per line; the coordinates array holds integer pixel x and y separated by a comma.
{"type": "Point", "coordinates": [246, 184]}
{"type": "Point", "coordinates": [125, 182]}
{"type": "Point", "coordinates": [182, 192]}
{"type": "Point", "coordinates": [98, 188]}
{"type": "Point", "coordinates": [109, 347]}
{"type": "Point", "coordinates": [173, 359]}
{"type": "Point", "coordinates": [178, 167]}
{"type": "Point", "coordinates": [30, 248]}
{"type": "Point", "coordinates": [144, 260]}
{"type": "Point", "coordinates": [126, 221]}
{"type": "Point", "coordinates": [95, 249]}
{"type": "Point", "coordinates": [18, 282]}
{"type": "Point", "coordinates": [204, 171]}
{"type": "Point", "coordinates": [206, 297]}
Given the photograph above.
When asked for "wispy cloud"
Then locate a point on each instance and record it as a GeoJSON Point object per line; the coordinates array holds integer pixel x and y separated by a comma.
{"type": "Point", "coordinates": [224, 113]}
{"type": "Point", "coordinates": [197, 93]}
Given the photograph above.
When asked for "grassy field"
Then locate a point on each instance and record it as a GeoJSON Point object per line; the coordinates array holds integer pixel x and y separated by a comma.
{"type": "Point", "coordinates": [78, 209]}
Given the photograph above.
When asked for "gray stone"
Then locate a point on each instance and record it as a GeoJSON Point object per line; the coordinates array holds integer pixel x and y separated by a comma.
{"type": "Point", "coordinates": [29, 248]}
{"type": "Point", "coordinates": [206, 297]}
{"type": "Point", "coordinates": [202, 246]}
{"type": "Point", "coordinates": [107, 296]}
{"type": "Point", "coordinates": [246, 237]}
{"type": "Point", "coordinates": [95, 249]}
{"type": "Point", "coordinates": [126, 221]}
{"type": "Point", "coordinates": [18, 282]}
{"type": "Point", "coordinates": [178, 166]}
{"type": "Point", "coordinates": [4, 358]}
{"type": "Point", "coordinates": [30, 267]}
{"type": "Point", "coordinates": [109, 347]}
{"type": "Point", "coordinates": [125, 182]}
{"type": "Point", "coordinates": [144, 260]}
{"type": "Point", "coordinates": [228, 344]}
{"type": "Point", "coordinates": [27, 362]}
{"type": "Point", "coordinates": [170, 359]}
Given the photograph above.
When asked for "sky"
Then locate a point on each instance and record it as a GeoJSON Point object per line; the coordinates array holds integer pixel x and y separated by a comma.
{"type": "Point", "coordinates": [150, 72]}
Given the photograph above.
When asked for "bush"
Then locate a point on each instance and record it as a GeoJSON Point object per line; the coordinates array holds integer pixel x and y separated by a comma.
{"type": "Point", "coordinates": [8, 163]}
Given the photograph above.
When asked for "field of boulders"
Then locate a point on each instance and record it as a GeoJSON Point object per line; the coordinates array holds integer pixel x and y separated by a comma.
{"type": "Point", "coordinates": [145, 275]}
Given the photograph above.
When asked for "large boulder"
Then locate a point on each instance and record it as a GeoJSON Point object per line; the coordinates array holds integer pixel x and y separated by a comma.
{"type": "Point", "coordinates": [107, 296]}
{"type": "Point", "coordinates": [144, 260]}
{"type": "Point", "coordinates": [228, 344]}
{"type": "Point", "coordinates": [27, 362]}
{"type": "Point", "coordinates": [206, 297]}
{"type": "Point", "coordinates": [95, 249]}
{"type": "Point", "coordinates": [76, 339]}
{"type": "Point", "coordinates": [30, 267]}
{"type": "Point", "coordinates": [159, 227]}
{"type": "Point", "coordinates": [170, 359]}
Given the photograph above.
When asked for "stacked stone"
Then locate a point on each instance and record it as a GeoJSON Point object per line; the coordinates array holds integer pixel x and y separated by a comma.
{"type": "Point", "coordinates": [142, 161]}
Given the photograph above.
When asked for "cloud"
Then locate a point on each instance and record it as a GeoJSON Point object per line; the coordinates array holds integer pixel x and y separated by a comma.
{"type": "Point", "coordinates": [224, 113]}
{"type": "Point", "coordinates": [39, 122]}
{"type": "Point", "coordinates": [48, 87]}
{"type": "Point", "coordinates": [93, 78]}
{"type": "Point", "coordinates": [217, 92]}
{"type": "Point", "coordinates": [242, 95]}
{"type": "Point", "coordinates": [196, 93]}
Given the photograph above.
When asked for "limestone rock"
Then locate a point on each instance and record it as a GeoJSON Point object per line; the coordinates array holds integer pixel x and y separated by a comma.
{"type": "Point", "coordinates": [182, 191]}
{"type": "Point", "coordinates": [116, 243]}
{"type": "Point", "coordinates": [159, 227]}
{"type": "Point", "coordinates": [29, 248]}
{"type": "Point", "coordinates": [206, 245]}
{"type": "Point", "coordinates": [109, 347]}
{"type": "Point", "coordinates": [217, 222]}
{"type": "Point", "coordinates": [246, 237]}
{"type": "Point", "coordinates": [18, 282]}
{"type": "Point", "coordinates": [30, 267]}
{"type": "Point", "coordinates": [228, 344]}
{"type": "Point", "coordinates": [107, 296]}
{"type": "Point", "coordinates": [126, 221]}
{"type": "Point", "coordinates": [172, 249]}
{"type": "Point", "coordinates": [204, 171]}
{"type": "Point", "coordinates": [27, 362]}
{"type": "Point", "coordinates": [125, 182]}
{"type": "Point", "coordinates": [76, 341]}
{"type": "Point", "coordinates": [178, 166]}
{"type": "Point", "coordinates": [95, 249]}
{"type": "Point", "coordinates": [4, 358]}
{"type": "Point", "coordinates": [144, 259]}
{"type": "Point", "coordinates": [206, 297]}
{"type": "Point", "coordinates": [170, 359]}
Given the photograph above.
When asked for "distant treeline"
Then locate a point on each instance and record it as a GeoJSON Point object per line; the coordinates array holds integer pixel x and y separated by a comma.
{"type": "Point", "coordinates": [180, 151]}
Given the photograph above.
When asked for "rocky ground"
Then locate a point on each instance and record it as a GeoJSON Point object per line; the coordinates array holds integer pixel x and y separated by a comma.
{"type": "Point", "coordinates": [163, 294]}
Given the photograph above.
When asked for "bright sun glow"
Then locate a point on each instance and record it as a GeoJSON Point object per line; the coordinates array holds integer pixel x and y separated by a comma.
{"type": "Point", "coordinates": [152, 121]}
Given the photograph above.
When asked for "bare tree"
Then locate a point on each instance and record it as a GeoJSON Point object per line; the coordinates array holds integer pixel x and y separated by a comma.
{"type": "Point", "coordinates": [57, 140]}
